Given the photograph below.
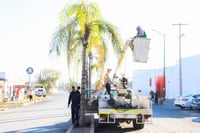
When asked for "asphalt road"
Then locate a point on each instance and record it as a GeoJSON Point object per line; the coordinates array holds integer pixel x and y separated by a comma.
{"type": "Point", "coordinates": [51, 115]}
{"type": "Point", "coordinates": [166, 119]}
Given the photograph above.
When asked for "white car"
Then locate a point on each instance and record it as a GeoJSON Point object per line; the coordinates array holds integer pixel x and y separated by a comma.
{"type": "Point", "coordinates": [40, 91]}
{"type": "Point", "coordinates": [185, 101]}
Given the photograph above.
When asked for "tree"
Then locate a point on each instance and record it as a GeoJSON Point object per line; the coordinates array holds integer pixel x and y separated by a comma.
{"type": "Point", "coordinates": [83, 29]}
{"type": "Point", "coordinates": [48, 77]}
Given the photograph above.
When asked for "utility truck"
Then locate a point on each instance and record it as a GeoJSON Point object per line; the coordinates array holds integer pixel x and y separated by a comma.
{"type": "Point", "coordinates": [124, 104]}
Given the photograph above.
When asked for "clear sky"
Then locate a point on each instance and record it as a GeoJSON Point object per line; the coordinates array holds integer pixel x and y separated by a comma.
{"type": "Point", "coordinates": [26, 27]}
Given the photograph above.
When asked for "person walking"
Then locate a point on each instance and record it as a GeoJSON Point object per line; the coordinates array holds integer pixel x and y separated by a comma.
{"type": "Point", "coordinates": [74, 100]}
{"type": "Point", "coordinates": [30, 94]}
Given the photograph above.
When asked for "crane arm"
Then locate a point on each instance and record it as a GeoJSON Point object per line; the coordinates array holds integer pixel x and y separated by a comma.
{"type": "Point", "coordinates": [129, 43]}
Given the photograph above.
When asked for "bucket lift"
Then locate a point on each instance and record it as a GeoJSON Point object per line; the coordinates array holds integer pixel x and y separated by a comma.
{"type": "Point", "coordinates": [123, 105]}
{"type": "Point", "coordinates": [140, 49]}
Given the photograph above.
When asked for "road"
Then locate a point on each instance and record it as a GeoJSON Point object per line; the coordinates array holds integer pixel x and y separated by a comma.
{"type": "Point", "coordinates": [166, 119]}
{"type": "Point", "coordinates": [50, 115]}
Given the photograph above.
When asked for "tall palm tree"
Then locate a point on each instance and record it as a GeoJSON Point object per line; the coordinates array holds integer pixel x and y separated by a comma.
{"type": "Point", "coordinates": [82, 28]}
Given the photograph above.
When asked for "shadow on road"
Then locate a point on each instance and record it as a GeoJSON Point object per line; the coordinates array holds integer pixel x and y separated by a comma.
{"type": "Point", "coordinates": [56, 128]}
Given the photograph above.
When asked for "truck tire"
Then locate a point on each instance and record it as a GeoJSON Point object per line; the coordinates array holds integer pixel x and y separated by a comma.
{"type": "Point", "coordinates": [137, 126]}
{"type": "Point", "coordinates": [102, 125]}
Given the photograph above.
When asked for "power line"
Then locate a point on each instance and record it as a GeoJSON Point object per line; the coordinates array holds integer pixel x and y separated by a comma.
{"type": "Point", "coordinates": [180, 65]}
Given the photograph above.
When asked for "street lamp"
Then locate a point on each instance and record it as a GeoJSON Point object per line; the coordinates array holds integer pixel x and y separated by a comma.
{"type": "Point", "coordinates": [163, 59]}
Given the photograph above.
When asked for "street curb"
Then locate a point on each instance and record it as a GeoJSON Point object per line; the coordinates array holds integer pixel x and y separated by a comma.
{"type": "Point", "coordinates": [91, 127]}
{"type": "Point", "coordinates": [70, 129]}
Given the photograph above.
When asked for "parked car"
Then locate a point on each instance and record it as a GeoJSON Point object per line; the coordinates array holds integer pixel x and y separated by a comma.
{"type": "Point", "coordinates": [185, 101]}
{"type": "Point", "coordinates": [40, 91]}
{"type": "Point", "coordinates": [196, 103]}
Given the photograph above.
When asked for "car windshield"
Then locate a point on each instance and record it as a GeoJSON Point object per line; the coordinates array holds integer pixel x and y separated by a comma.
{"type": "Point", "coordinates": [187, 95]}
{"type": "Point", "coordinates": [196, 96]}
{"type": "Point", "coordinates": [38, 86]}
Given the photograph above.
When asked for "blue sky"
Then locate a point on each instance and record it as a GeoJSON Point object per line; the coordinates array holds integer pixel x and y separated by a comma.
{"type": "Point", "coordinates": [26, 27]}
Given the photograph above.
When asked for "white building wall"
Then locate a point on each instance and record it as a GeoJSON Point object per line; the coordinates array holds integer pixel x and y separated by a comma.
{"type": "Point", "coordinates": [190, 78]}
{"type": "Point", "coordinates": [172, 82]}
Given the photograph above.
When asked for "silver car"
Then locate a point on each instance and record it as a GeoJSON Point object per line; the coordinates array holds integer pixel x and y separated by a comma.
{"type": "Point", "coordinates": [40, 91]}
{"type": "Point", "coordinates": [196, 103]}
{"type": "Point", "coordinates": [185, 101]}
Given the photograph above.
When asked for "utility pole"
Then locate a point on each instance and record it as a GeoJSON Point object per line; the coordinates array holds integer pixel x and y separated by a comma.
{"type": "Point", "coordinates": [180, 65]}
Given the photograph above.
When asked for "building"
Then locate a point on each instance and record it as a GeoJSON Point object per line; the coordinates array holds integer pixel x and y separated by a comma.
{"type": "Point", "coordinates": [2, 85]}
{"type": "Point", "coordinates": [10, 90]}
{"type": "Point", "coordinates": [147, 80]}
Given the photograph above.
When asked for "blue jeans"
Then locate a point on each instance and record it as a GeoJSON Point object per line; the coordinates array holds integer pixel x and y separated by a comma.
{"type": "Point", "coordinates": [75, 113]}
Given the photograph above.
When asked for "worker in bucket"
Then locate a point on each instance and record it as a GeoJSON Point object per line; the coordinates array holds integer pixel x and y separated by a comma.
{"type": "Point", "coordinates": [140, 32]}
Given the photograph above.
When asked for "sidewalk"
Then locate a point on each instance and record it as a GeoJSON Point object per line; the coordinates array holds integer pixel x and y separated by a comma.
{"type": "Point", "coordinates": [89, 126]}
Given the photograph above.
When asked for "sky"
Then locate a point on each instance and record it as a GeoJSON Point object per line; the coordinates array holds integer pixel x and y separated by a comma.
{"type": "Point", "coordinates": [26, 28]}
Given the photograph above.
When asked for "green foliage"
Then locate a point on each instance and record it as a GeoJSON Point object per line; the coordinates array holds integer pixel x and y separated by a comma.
{"type": "Point", "coordinates": [82, 28]}
{"type": "Point", "coordinates": [48, 78]}
{"type": "Point", "coordinates": [81, 24]}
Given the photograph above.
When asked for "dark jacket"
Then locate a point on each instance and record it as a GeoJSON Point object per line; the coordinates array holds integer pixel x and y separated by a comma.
{"type": "Point", "coordinates": [79, 96]}
{"type": "Point", "coordinates": [74, 99]}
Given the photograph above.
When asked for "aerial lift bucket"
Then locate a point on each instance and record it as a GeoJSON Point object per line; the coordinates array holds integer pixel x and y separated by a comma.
{"type": "Point", "coordinates": [141, 49]}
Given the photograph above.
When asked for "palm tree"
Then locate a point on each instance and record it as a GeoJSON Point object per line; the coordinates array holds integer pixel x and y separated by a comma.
{"type": "Point", "coordinates": [82, 28]}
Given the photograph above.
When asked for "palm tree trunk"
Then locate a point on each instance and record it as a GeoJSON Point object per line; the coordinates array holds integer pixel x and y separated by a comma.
{"type": "Point", "coordinates": [90, 71]}
{"type": "Point", "coordinates": [84, 80]}
{"type": "Point", "coordinates": [84, 85]}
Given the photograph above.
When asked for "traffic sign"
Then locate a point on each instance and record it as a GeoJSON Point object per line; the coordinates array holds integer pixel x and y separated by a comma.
{"type": "Point", "coordinates": [29, 70]}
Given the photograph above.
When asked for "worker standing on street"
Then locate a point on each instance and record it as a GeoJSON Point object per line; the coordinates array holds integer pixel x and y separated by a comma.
{"type": "Point", "coordinates": [74, 100]}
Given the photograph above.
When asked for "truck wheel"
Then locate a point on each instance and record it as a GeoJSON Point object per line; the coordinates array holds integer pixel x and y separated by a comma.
{"type": "Point", "coordinates": [137, 126]}
{"type": "Point", "coordinates": [182, 107]}
{"type": "Point", "coordinates": [100, 125]}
